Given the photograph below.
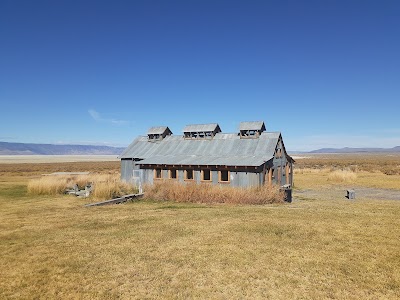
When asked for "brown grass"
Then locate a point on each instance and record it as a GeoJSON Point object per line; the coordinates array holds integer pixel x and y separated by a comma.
{"type": "Point", "coordinates": [342, 176]}
{"type": "Point", "coordinates": [207, 193]}
{"type": "Point", "coordinates": [53, 248]}
{"type": "Point", "coordinates": [32, 169]}
{"type": "Point", "coordinates": [371, 170]}
{"type": "Point", "coordinates": [388, 164]}
{"type": "Point", "coordinates": [105, 186]}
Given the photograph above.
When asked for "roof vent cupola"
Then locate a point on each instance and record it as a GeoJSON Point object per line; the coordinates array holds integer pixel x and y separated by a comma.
{"type": "Point", "coordinates": [251, 129]}
{"type": "Point", "coordinates": [158, 133]}
{"type": "Point", "coordinates": [201, 131]}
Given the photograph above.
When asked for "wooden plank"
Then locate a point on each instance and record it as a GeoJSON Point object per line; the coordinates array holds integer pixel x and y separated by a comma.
{"type": "Point", "coordinates": [115, 201]}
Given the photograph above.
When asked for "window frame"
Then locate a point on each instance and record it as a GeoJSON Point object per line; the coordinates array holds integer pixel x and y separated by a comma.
{"type": "Point", "coordinates": [170, 174]}
{"type": "Point", "coordinates": [220, 176]}
{"type": "Point", "coordinates": [202, 175]}
{"type": "Point", "coordinates": [186, 173]}
{"type": "Point", "coordinates": [155, 173]}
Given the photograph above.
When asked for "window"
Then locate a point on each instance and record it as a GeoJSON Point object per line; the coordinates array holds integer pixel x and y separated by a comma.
{"type": "Point", "coordinates": [173, 174]}
{"type": "Point", "coordinates": [198, 135]}
{"type": "Point", "coordinates": [189, 175]}
{"type": "Point", "coordinates": [278, 153]}
{"type": "Point", "coordinates": [157, 173]}
{"type": "Point", "coordinates": [270, 171]}
{"type": "Point", "coordinates": [252, 133]}
{"type": "Point", "coordinates": [224, 176]}
{"type": "Point", "coordinates": [206, 175]}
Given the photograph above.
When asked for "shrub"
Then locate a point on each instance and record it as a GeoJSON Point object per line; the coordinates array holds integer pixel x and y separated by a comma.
{"type": "Point", "coordinates": [342, 176]}
{"type": "Point", "coordinates": [207, 193]}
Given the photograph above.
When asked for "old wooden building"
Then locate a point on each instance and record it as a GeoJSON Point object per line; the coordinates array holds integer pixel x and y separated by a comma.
{"type": "Point", "coordinates": [203, 154]}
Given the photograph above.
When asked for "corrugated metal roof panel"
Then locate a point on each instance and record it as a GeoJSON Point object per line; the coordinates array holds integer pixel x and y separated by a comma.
{"type": "Point", "coordinates": [271, 140]}
{"type": "Point", "coordinates": [223, 149]}
{"type": "Point", "coordinates": [201, 127]}
{"type": "Point", "coordinates": [224, 136]}
{"type": "Point", "coordinates": [258, 125]}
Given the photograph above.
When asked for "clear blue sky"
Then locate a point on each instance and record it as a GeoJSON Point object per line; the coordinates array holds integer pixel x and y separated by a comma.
{"type": "Point", "coordinates": [324, 73]}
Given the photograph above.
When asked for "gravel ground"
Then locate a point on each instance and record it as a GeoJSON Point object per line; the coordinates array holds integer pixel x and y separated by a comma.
{"type": "Point", "coordinates": [334, 193]}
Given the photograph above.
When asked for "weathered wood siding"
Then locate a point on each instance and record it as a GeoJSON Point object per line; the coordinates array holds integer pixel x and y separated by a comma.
{"type": "Point", "coordinates": [131, 173]}
{"type": "Point", "coordinates": [280, 163]}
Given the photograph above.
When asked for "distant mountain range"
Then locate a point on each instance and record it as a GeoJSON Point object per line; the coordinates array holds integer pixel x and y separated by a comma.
{"type": "Point", "coordinates": [49, 149]}
{"type": "Point", "coordinates": [356, 150]}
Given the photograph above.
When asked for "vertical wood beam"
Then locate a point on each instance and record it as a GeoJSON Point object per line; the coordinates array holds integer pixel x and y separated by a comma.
{"type": "Point", "coordinates": [270, 176]}
{"type": "Point", "coordinates": [279, 175]}
{"type": "Point", "coordinates": [287, 173]}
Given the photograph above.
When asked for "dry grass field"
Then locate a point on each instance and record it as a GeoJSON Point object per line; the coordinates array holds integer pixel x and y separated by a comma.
{"type": "Point", "coordinates": [321, 246]}
{"type": "Point", "coordinates": [369, 170]}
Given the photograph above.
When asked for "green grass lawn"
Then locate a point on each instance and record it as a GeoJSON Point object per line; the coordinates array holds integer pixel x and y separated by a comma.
{"type": "Point", "coordinates": [53, 247]}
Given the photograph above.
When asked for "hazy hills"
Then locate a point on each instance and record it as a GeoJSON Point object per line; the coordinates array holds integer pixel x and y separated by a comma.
{"type": "Point", "coordinates": [357, 150]}
{"type": "Point", "coordinates": [49, 149]}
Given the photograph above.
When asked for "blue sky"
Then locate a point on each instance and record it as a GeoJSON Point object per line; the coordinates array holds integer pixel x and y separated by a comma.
{"type": "Point", "coordinates": [324, 73]}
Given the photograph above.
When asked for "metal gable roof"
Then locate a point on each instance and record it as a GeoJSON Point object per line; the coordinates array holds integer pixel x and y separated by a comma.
{"type": "Point", "coordinates": [158, 130]}
{"type": "Point", "coordinates": [201, 127]}
{"type": "Point", "coordinates": [259, 125]}
{"type": "Point", "coordinates": [223, 149]}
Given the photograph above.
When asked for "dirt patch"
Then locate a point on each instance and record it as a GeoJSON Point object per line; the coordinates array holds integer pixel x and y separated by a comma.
{"type": "Point", "coordinates": [335, 193]}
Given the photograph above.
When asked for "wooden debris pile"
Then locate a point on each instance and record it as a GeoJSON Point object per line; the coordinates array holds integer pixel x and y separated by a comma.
{"type": "Point", "coordinates": [80, 193]}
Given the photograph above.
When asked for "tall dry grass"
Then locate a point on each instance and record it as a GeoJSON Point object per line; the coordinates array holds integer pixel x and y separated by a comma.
{"type": "Point", "coordinates": [105, 186]}
{"type": "Point", "coordinates": [342, 176]}
{"type": "Point", "coordinates": [207, 193]}
{"type": "Point", "coordinates": [311, 170]}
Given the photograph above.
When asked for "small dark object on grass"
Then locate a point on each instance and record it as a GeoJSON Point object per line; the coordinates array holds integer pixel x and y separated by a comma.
{"type": "Point", "coordinates": [351, 194]}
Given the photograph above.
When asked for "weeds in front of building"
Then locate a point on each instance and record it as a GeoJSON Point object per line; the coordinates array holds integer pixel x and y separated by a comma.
{"type": "Point", "coordinates": [207, 193]}
{"type": "Point", "coordinates": [105, 186]}
{"type": "Point", "coordinates": [108, 186]}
